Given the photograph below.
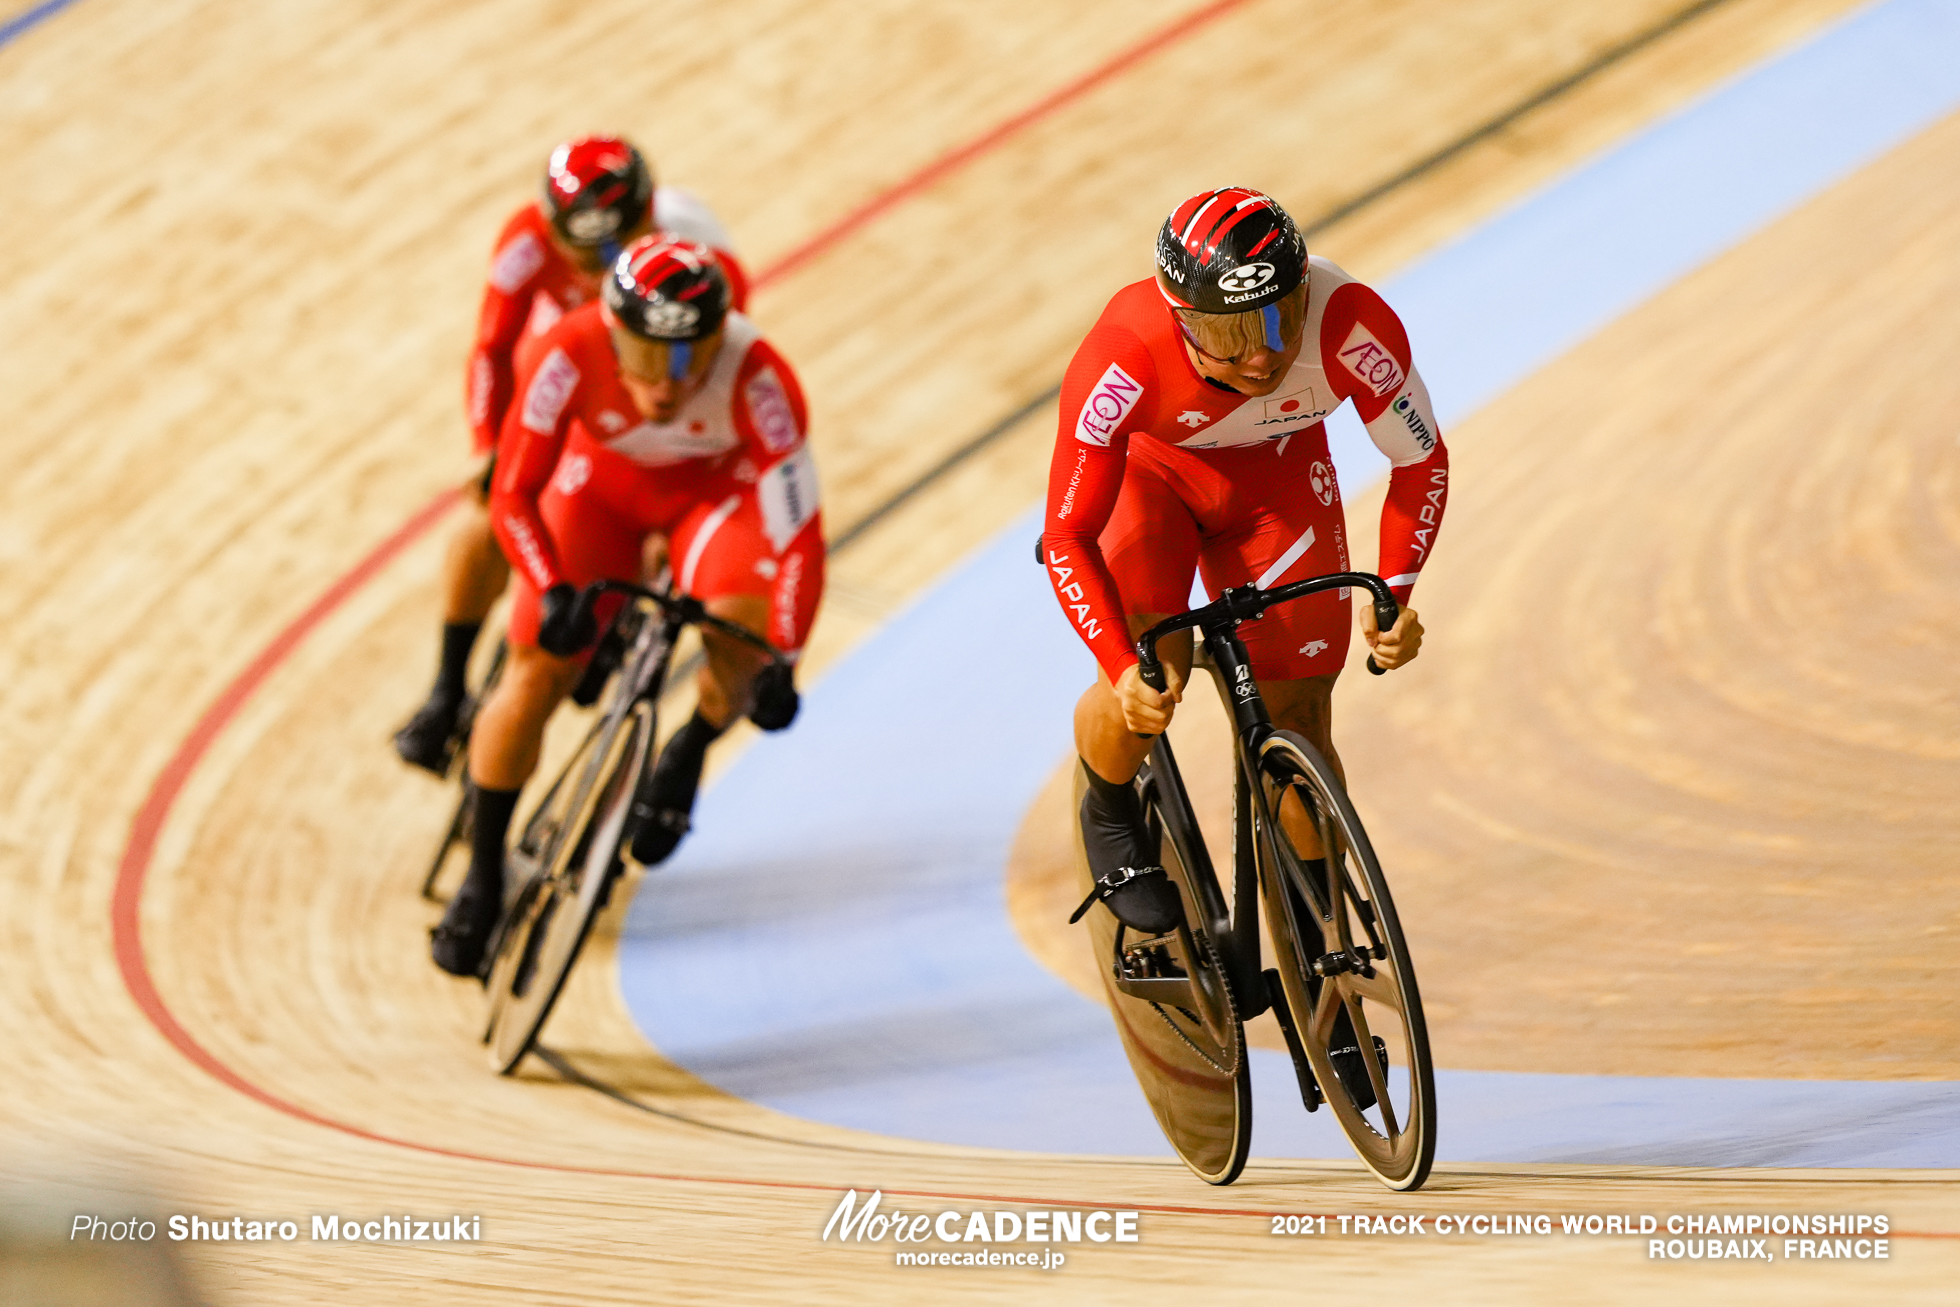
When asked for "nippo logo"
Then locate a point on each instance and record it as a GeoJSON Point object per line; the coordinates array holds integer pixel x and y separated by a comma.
{"type": "Point", "coordinates": [1321, 477]}
{"type": "Point", "coordinates": [1247, 276]}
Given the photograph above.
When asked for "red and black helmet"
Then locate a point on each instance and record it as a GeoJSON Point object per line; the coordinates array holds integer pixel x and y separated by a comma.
{"type": "Point", "coordinates": [1229, 251]}
{"type": "Point", "coordinates": [596, 189]}
{"type": "Point", "coordinates": [660, 288]}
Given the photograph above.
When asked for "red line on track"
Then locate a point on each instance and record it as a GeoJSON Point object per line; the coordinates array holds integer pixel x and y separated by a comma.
{"type": "Point", "coordinates": [962, 155]}
{"type": "Point", "coordinates": [127, 902]}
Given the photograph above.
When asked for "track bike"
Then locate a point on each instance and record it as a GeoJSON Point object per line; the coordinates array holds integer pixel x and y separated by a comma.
{"type": "Point", "coordinates": [456, 836]}
{"type": "Point", "coordinates": [568, 854]}
{"type": "Point", "coordinates": [1341, 983]}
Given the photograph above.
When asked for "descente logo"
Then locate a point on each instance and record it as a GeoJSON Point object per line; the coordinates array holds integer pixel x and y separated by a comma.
{"type": "Point", "coordinates": [853, 1222]}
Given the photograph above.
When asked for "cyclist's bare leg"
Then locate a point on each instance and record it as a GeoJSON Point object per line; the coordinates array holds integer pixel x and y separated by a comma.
{"type": "Point", "coordinates": [1305, 707]}
{"type": "Point", "coordinates": [504, 749]}
{"type": "Point", "coordinates": [474, 572]}
{"type": "Point", "coordinates": [727, 679]}
{"type": "Point", "coordinates": [509, 731]}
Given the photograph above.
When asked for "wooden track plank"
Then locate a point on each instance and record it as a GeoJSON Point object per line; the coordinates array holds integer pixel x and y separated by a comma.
{"type": "Point", "coordinates": [232, 366]}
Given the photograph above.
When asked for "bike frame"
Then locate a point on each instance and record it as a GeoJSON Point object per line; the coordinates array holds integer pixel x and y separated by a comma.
{"type": "Point", "coordinates": [1234, 927]}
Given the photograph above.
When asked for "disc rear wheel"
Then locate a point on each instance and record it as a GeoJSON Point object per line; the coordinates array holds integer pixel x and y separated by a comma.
{"type": "Point", "coordinates": [1174, 1009]}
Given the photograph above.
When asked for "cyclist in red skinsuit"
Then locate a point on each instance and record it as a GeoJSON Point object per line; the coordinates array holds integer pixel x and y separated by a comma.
{"type": "Point", "coordinates": [1191, 439]}
{"type": "Point", "coordinates": [598, 197]}
{"type": "Point", "coordinates": [660, 410]}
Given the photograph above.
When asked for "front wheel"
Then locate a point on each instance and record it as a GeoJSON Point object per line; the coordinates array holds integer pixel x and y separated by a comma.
{"type": "Point", "coordinates": [1343, 963]}
{"type": "Point", "coordinates": [570, 848]}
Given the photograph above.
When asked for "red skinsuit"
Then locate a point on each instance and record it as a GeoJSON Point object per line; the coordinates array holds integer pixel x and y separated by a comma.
{"type": "Point", "coordinates": [532, 284]}
{"type": "Point", "coordinates": [1157, 471]}
{"type": "Point", "coordinates": [582, 479]}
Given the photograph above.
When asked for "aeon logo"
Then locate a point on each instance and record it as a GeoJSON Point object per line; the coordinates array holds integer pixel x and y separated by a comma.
{"type": "Point", "coordinates": [1247, 276]}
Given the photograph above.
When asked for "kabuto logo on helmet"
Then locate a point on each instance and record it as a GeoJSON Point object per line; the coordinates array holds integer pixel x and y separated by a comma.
{"type": "Point", "coordinates": [669, 318]}
{"type": "Point", "coordinates": [1247, 276]}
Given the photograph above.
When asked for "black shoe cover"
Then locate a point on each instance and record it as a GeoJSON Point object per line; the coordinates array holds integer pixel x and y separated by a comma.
{"type": "Point", "coordinates": [1147, 901]}
{"type": "Point", "coordinates": [656, 833]}
{"type": "Point", "coordinates": [1121, 862]}
{"type": "Point", "coordinates": [429, 739]}
{"type": "Point", "coordinates": [1354, 1072]}
{"type": "Point", "coordinates": [458, 943]}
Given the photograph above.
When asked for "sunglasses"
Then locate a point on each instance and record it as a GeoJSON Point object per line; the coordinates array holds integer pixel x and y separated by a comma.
{"type": "Point", "coordinates": [1269, 323]}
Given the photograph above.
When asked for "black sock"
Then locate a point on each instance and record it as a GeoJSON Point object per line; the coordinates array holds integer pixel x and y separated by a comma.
{"type": "Point", "coordinates": [678, 773]}
{"type": "Point", "coordinates": [490, 826]}
{"type": "Point", "coordinates": [1113, 818]}
{"type": "Point", "coordinates": [458, 638]}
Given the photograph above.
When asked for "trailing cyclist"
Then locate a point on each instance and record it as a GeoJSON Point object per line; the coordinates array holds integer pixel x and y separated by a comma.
{"type": "Point", "coordinates": [659, 409]}
{"type": "Point", "coordinates": [1191, 439]}
{"type": "Point", "coordinates": [598, 197]}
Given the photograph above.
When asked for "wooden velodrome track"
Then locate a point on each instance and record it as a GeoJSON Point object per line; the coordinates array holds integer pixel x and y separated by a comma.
{"type": "Point", "coordinates": [241, 253]}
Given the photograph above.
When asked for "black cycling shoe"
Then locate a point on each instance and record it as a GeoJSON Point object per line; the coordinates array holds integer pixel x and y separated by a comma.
{"type": "Point", "coordinates": [657, 832]}
{"type": "Point", "coordinates": [664, 798]}
{"type": "Point", "coordinates": [458, 943]}
{"type": "Point", "coordinates": [1143, 898]}
{"type": "Point", "coordinates": [1354, 1072]}
{"type": "Point", "coordinates": [429, 739]}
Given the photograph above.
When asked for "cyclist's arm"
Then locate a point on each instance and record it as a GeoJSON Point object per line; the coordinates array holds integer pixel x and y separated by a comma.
{"type": "Point", "coordinates": [506, 300]}
{"type": "Point", "coordinates": [1105, 396]}
{"type": "Point", "coordinates": [533, 437]}
{"type": "Point", "coordinates": [1366, 354]}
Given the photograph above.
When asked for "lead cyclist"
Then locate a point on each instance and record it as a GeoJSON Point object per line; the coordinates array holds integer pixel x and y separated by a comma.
{"type": "Point", "coordinates": [1191, 440]}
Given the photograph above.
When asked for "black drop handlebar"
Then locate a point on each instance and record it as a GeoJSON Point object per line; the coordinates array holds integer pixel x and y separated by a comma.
{"type": "Point", "coordinates": [1246, 602]}
{"type": "Point", "coordinates": [685, 607]}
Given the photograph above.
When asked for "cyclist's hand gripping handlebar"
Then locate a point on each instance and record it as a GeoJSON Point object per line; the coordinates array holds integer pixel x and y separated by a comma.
{"type": "Point", "coordinates": [1385, 614]}
{"type": "Point", "coordinates": [776, 700]}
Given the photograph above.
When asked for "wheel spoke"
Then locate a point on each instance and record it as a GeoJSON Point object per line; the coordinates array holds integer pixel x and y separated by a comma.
{"type": "Point", "coordinates": [1378, 988]}
{"type": "Point", "coordinates": [1364, 1042]}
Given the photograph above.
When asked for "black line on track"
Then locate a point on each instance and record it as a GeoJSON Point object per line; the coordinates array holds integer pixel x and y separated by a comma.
{"type": "Point", "coordinates": [1346, 209]}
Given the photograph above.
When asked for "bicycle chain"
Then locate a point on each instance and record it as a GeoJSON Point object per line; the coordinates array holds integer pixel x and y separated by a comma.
{"type": "Point", "coordinates": [1232, 1008]}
